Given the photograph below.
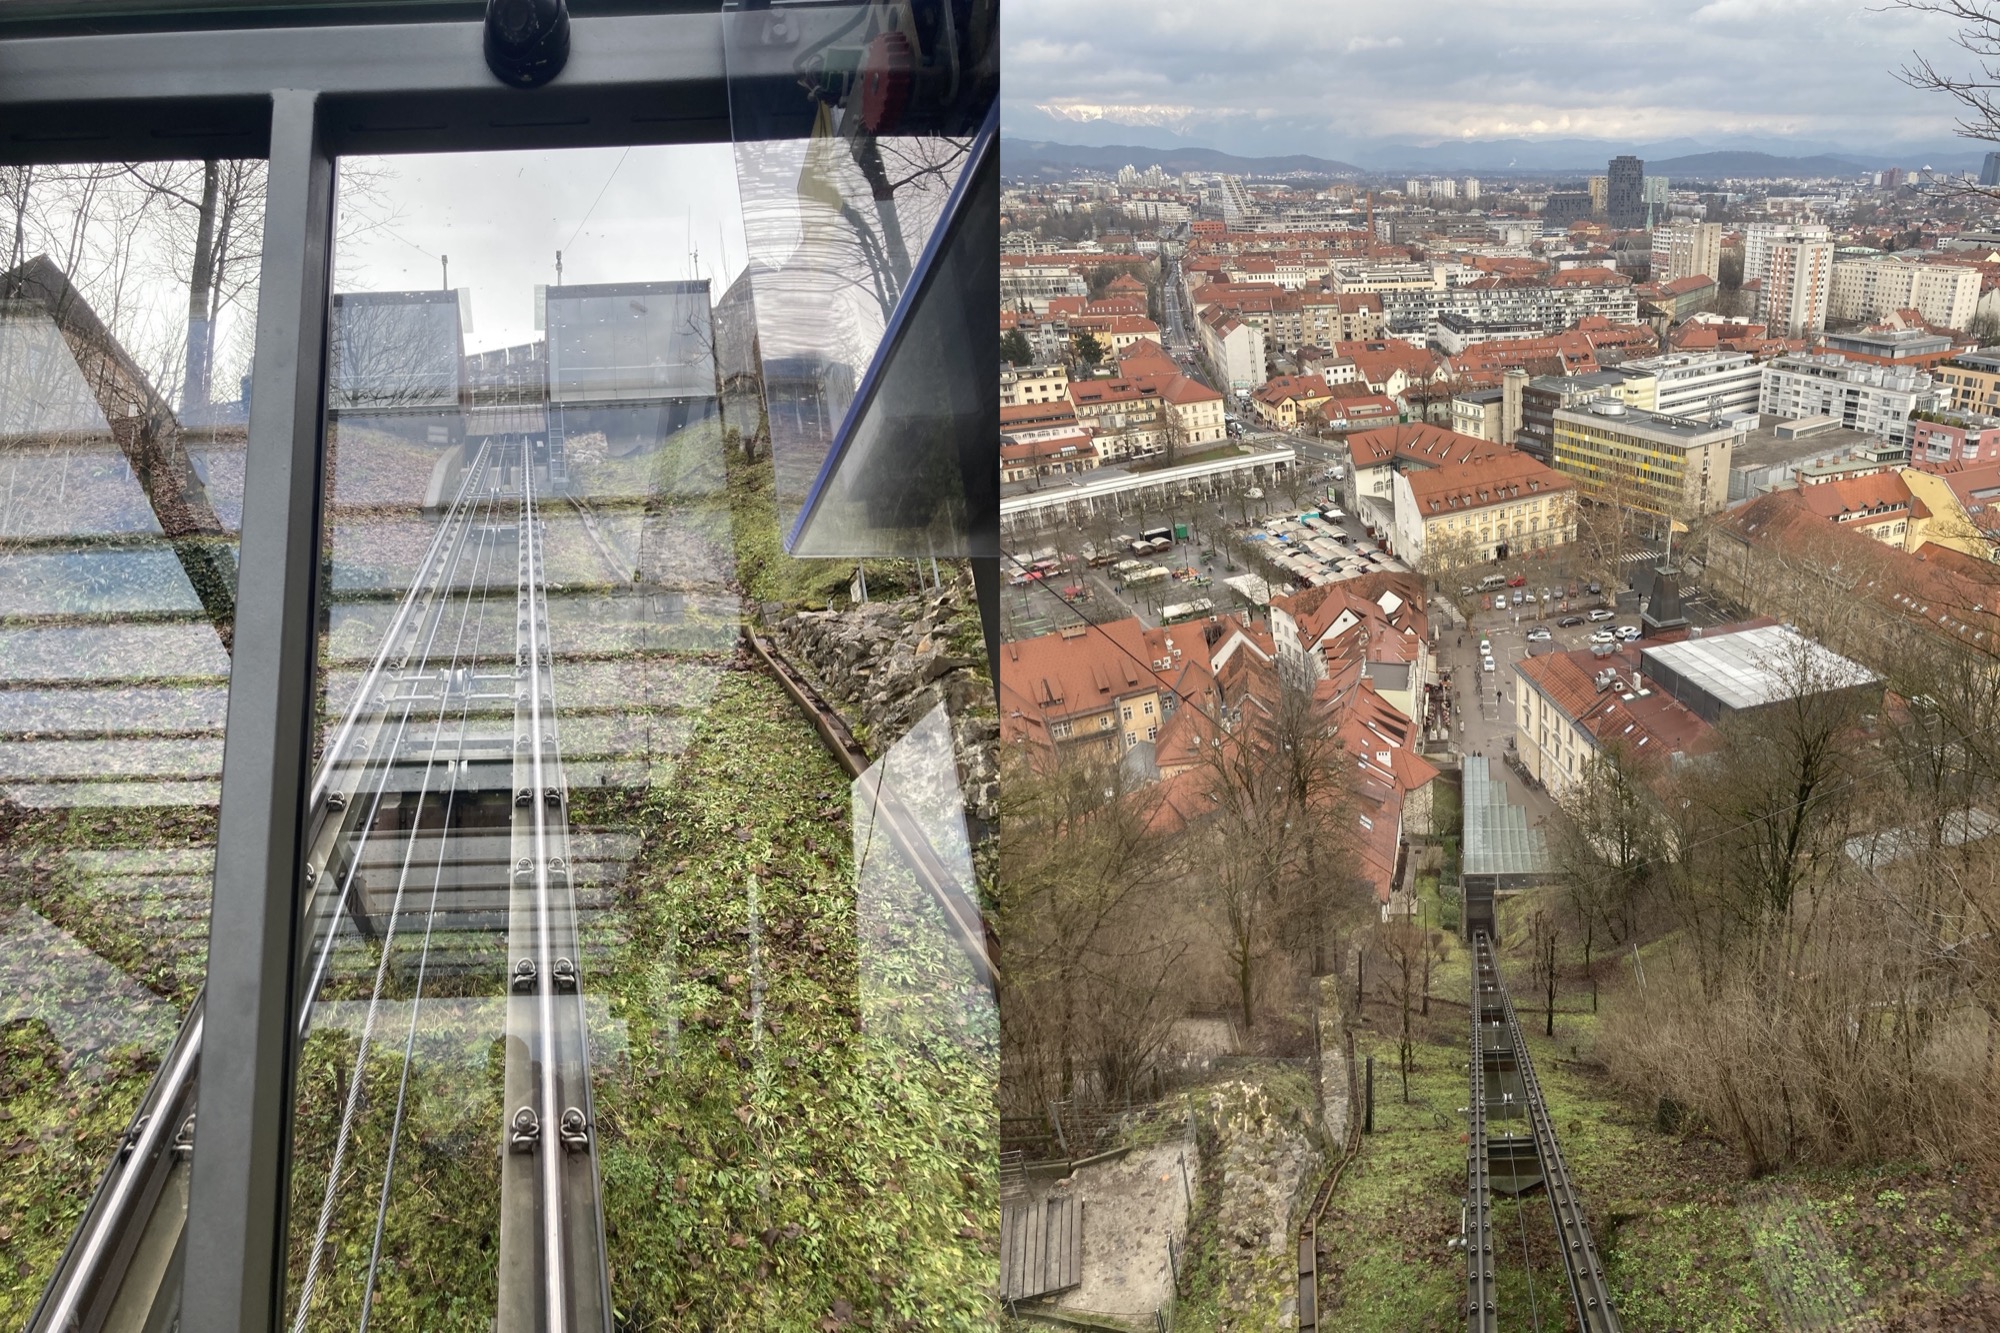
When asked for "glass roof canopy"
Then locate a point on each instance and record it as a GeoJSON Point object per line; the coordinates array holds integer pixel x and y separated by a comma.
{"type": "Point", "coordinates": [1499, 845]}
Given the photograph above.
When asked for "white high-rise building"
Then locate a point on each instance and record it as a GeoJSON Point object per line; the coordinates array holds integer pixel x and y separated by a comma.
{"type": "Point", "coordinates": [1685, 249]}
{"type": "Point", "coordinates": [1472, 187]}
{"type": "Point", "coordinates": [1413, 188]}
{"type": "Point", "coordinates": [1945, 295]}
{"type": "Point", "coordinates": [1444, 189]}
{"type": "Point", "coordinates": [1758, 238]}
{"type": "Point", "coordinates": [1797, 277]}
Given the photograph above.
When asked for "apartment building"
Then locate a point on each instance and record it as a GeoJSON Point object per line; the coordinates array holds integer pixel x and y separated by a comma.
{"type": "Point", "coordinates": [1569, 707]}
{"type": "Point", "coordinates": [1796, 284]}
{"type": "Point", "coordinates": [1480, 413]}
{"type": "Point", "coordinates": [1233, 346]}
{"type": "Point", "coordinates": [1944, 295]}
{"type": "Point", "coordinates": [1644, 460]}
{"type": "Point", "coordinates": [1702, 384]}
{"type": "Point", "coordinates": [1030, 282]}
{"type": "Point", "coordinates": [1385, 277]}
{"type": "Point", "coordinates": [1483, 509]}
{"type": "Point", "coordinates": [1759, 237]}
{"type": "Point", "coordinates": [1099, 690]}
{"type": "Point", "coordinates": [1024, 385]}
{"type": "Point", "coordinates": [1567, 300]}
{"type": "Point", "coordinates": [1686, 250]}
{"type": "Point", "coordinates": [1874, 399]}
{"type": "Point", "coordinates": [1970, 382]}
{"type": "Point", "coordinates": [1125, 416]}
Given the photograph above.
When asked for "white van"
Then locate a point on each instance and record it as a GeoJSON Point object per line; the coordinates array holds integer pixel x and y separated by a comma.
{"type": "Point", "coordinates": [1492, 581]}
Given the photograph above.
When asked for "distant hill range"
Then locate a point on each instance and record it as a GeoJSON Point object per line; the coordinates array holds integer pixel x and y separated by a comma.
{"type": "Point", "coordinates": [1753, 166]}
{"type": "Point", "coordinates": [1036, 157]}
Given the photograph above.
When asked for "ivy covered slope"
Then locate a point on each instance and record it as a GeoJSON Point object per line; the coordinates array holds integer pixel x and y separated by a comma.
{"type": "Point", "coordinates": [108, 913]}
{"type": "Point", "coordinates": [768, 1164]}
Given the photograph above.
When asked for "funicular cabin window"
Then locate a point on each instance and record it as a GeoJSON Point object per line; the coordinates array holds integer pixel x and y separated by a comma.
{"type": "Point", "coordinates": [388, 581]}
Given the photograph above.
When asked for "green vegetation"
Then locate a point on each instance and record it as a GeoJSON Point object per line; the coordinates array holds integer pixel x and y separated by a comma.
{"type": "Point", "coordinates": [1688, 1242]}
{"type": "Point", "coordinates": [72, 1070]}
{"type": "Point", "coordinates": [763, 569]}
{"type": "Point", "coordinates": [769, 1175]}
{"type": "Point", "coordinates": [1186, 459]}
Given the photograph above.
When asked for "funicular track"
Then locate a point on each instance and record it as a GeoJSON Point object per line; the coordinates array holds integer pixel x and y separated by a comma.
{"type": "Point", "coordinates": [439, 808]}
{"type": "Point", "coordinates": [1505, 1094]}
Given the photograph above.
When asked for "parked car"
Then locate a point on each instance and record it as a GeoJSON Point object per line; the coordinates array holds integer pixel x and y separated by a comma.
{"type": "Point", "coordinates": [1627, 632]}
{"type": "Point", "coordinates": [1569, 622]}
{"type": "Point", "coordinates": [1518, 581]}
{"type": "Point", "coordinates": [1486, 662]}
{"type": "Point", "coordinates": [1539, 635]}
{"type": "Point", "coordinates": [1499, 601]}
{"type": "Point", "coordinates": [1518, 594]}
{"type": "Point", "coordinates": [1603, 636]}
{"type": "Point", "coordinates": [1601, 613]}
{"type": "Point", "coordinates": [1596, 588]}
{"type": "Point", "coordinates": [1466, 591]}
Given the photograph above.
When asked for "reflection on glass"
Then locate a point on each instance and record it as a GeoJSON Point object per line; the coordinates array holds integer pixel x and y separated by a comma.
{"type": "Point", "coordinates": [582, 1045]}
{"type": "Point", "coordinates": [120, 494]}
{"type": "Point", "coordinates": [925, 978]}
{"type": "Point", "coordinates": [854, 126]}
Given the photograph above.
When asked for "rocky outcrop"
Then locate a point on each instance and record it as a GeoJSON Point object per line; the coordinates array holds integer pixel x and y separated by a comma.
{"type": "Point", "coordinates": [1265, 1154]}
{"type": "Point", "coordinates": [885, 665]}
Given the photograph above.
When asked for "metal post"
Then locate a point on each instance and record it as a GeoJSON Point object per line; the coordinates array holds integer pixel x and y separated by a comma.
{"type": "Point", "coordinates": [1187, 1190]}
{"type": "Point", "coordinates": [236, 1204]}
{"type": "Point", "coordinates": [1368, 1124]}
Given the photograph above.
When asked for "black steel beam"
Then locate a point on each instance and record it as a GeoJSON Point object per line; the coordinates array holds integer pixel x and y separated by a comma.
{"type": "Point", "coordinates": [236, 1202]}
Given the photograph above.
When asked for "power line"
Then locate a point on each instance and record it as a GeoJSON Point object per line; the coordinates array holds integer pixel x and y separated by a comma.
{"type": "Point", "coordinates": [600, 197]}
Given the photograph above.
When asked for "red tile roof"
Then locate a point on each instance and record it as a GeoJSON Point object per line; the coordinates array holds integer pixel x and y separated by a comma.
{"type": "Point", "coordinates": [1416, 442]}
{"type": "Point", "coordinates": [1498, 478]}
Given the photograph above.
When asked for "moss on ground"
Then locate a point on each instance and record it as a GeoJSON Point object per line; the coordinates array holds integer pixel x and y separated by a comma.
{"type": "Point", "coordinates": [763, 569]}
{"type": "Point", "coordinates": [773, 1174]}
{"type": "Point", "coordinates": [61, 1112]}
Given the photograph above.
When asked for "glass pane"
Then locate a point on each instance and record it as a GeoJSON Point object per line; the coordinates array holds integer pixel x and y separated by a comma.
{"type": "Point", "coordinates": [127, 316]}
{"type": "Point", "coordinates": [855, 125]}
{"type": "Point", "coordinates": [585, 1027]}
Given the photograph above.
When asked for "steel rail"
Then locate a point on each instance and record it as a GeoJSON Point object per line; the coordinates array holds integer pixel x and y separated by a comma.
{"type": "Point", "coordinates": [1583, 1267]}
{"type": "Point", "coordinates": [430, 918]}
{"type": "Point", "coordinates": [448, 580]}
{"type": "Point", "coordinates": [551, 1207]}
{"type": "Point", "coordinates": [1482, 1287]}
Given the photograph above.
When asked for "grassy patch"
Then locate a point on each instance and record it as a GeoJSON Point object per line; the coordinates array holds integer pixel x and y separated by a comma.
{"type": "Point", "coordinates": [763, 569]}
{"type": "Point", "coordinates": [770, 1161]}
{"type": "Point", "coordinates": [66, 1096]}
{"type": "Point", "coordinates": [1687, 1242]}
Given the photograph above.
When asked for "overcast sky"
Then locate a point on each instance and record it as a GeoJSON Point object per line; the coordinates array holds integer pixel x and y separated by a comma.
{"type": "Point", "coordinates": [617, 215]}
{"type": "Point", "coordinates": [1260, 76]}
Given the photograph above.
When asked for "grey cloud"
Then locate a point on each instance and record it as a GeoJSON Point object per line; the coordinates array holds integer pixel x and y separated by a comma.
{"type": "Point", "coordinates": [1259, 76]}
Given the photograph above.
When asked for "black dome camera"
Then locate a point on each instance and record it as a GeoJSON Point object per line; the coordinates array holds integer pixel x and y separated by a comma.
{"type": "Point", "coordinates": [527, 41]}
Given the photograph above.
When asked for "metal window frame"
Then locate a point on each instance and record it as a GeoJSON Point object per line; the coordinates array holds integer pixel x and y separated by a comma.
{"type": "Point", "coordinates": [303, 96]}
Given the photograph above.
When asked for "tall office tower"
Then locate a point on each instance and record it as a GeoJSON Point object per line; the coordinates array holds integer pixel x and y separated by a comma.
{"type": "Point", "coordinates": [1989, 174]}
{"type": "Point", "coordinates": [1598, 186]}
{"type": "Point", "coordinates": [1624, 192]}
{"type": "Point", "coordinates": [1795, 288]}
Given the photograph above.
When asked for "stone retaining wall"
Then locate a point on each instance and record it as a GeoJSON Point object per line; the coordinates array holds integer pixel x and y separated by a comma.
{"type": "Point", "coordinates": [885, 665]}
